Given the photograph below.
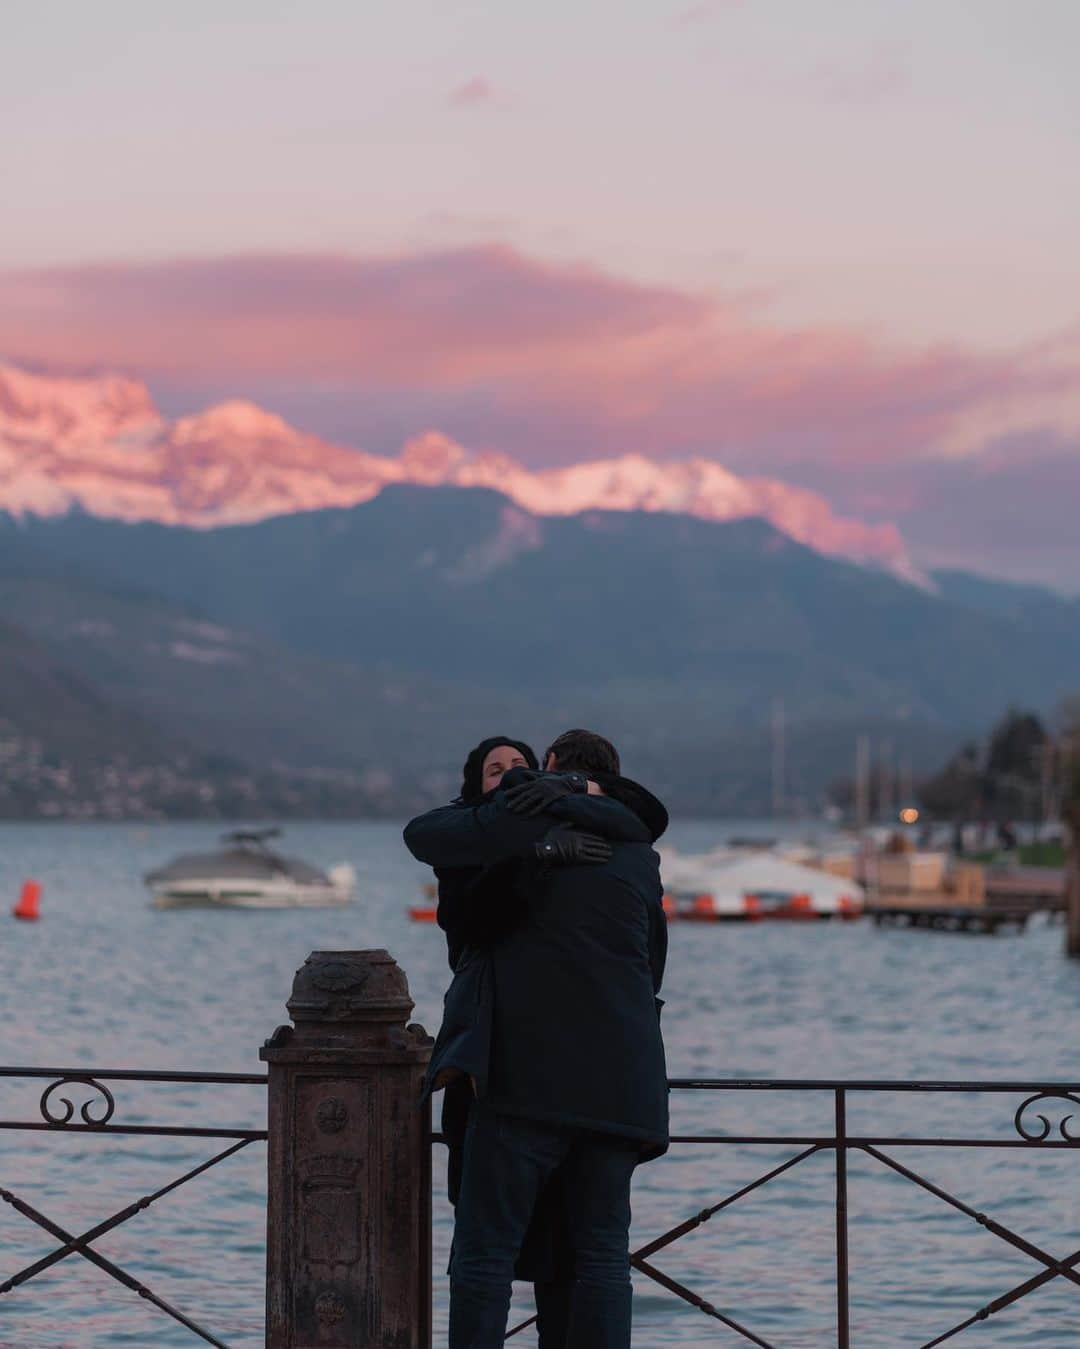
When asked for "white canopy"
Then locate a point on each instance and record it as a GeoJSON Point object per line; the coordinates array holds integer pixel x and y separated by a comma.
{"type": "Point", "coordinates": [729, 879]}
{"type": "Point", "coordinates": [683, 871]}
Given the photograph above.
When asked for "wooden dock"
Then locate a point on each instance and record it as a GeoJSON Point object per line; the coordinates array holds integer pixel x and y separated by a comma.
{"type": "Point", "coordinates": [1036, 889]}
{"type": "Point", "coordinates": [949, 917]}
{"type": "Point", "coordinates": [1003, 901]}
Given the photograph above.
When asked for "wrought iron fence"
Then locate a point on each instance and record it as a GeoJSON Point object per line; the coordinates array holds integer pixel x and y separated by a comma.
{"type": "Point", "coordinates": [1029, 1125]}
{"type": "Point", "coordinates": [1031, 1129]}
{"type": "Point", "coordinates": [95, 1115]}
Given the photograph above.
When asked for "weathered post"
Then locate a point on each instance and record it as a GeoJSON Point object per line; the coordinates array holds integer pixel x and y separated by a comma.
{"type": "Point", "coordinates": [1069, 768]}
{"type": "Point", "coordinates": [1072, 881]}
{"type": "Point", "coordinates": [348, 1260]}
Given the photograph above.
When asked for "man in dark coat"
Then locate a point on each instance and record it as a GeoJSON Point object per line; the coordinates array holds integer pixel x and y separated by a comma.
{"type": "Point", "coordinates": [557, 1028]}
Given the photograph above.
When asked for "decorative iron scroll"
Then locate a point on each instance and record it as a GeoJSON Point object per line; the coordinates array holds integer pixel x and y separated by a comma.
{"type": "Point", "coordinates": [1039, 1135]}
{"type": "Point", "coordinates": [85, 1110]}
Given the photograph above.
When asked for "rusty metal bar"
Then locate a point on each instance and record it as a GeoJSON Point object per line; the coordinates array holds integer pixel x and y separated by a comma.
{"type": "Point", "coordinates": [1005, 1300]}
{"type": "Point", "coordinates": [868, 1084]}
{"type": "Point", "coordinates": [998, 1229]}
{"type": "Point", "coordinates": [148, 1130]}
{"type": "Point", "coordinates": [643, 1252]}
{"type": "Point", "coordinates": [120, 1275]}
{"type": "Point", "coordinates": [80, 1242]}
{"type": "Point", "coordinates": [843, 1332]}
{"type": "Point", "coordinates": [137, 1075]}
{"type": "Point", "coordinates": [863, 1141]}
{"type": "Point", "coordinates": [673, 1286]}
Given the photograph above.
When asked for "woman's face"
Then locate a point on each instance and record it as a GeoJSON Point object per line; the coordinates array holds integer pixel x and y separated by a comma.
{"type": "Point", "coordinates": [498, 761]}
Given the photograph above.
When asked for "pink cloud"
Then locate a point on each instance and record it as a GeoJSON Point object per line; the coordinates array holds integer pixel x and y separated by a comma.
{"type": "Point", "coordinates": [441, 316]}
{"type": "Point", "coordinates": [546, 362]}
{"type": "Point", "coordinates": [473, 91]}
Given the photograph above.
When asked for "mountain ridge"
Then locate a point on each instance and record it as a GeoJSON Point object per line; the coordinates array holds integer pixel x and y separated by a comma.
{"type": "Point", "coordinates": [424, 579]}
{"type": "Point", "coordinates": [99, 443]}
{"type": "Point", "coordinates": [367, 646]}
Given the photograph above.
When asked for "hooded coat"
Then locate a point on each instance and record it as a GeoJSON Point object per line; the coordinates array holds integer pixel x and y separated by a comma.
{"type": "Point", "coordinates": [466, 912]}
{"type": "Point", "coordinates": [558, 1019]}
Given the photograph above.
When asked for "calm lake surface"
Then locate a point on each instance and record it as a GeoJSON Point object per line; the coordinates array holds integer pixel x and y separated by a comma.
{"type": "Point", "coordinates": [105, 981]}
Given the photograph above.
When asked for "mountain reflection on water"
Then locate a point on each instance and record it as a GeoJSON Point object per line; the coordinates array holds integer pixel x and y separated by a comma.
{"type": "Point", "coordinates": [103, 980]}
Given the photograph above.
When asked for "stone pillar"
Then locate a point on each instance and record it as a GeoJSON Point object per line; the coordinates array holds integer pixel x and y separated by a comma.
{"type": "Point", "coordinates": [348, 1259]}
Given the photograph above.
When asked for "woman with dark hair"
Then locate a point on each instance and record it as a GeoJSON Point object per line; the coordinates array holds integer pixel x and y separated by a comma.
{"type": "Point", "coordinates": [476, 905]}
{"type": "Point", "coordinates": [483, 771]}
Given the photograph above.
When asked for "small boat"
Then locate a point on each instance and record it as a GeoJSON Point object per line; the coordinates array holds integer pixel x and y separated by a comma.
{"type": "Point", "coordinates": [429, 912]}
{"type": "Point", "coordinates": [248, 874]}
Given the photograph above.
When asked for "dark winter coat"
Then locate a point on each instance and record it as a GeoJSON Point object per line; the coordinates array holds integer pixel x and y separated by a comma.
{"type": "Point", "coordinates": [557, 1020]}
{"type": "Point", "coordinates": [478, 905]}
{"type": "Point", "coordinates": [466, 913]}
{"type": "Point", "coordinates": [475, 906]}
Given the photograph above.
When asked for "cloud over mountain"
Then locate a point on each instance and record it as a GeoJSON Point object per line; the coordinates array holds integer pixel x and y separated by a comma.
{"type": "Point", "coordinates": [556, 364]}
{"type": "Point", "coordinates": [499, 349]}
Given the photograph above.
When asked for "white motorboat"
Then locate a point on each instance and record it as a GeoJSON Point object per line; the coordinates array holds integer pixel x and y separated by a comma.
{"type": "Point", "coordinates": [248, 874]}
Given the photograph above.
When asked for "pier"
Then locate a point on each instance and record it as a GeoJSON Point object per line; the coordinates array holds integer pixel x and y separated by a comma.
{"type": "Point", "coordinates": [985, 901]}
{"type": "Point", "coordinates": [944, 917]}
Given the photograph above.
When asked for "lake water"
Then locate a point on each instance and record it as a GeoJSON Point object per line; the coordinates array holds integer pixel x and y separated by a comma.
{"type": "Point", "coordinates": [104, 980]}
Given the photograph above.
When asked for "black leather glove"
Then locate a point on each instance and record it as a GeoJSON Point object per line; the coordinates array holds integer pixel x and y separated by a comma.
{"type": "Point", "coordinates": [565, 846]}
{"type": "Point", "coordinates": [534, 796]}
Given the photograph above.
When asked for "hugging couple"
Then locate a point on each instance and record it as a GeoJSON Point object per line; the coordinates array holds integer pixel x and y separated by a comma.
{"type": "Point", "coordinates": [550, 1051]}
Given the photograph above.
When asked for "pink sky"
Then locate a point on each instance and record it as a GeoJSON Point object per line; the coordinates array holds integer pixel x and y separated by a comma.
{"type": "Point", "coordinates": [542, 360]}
{"type": "Point", "coordinates": [833, 244]}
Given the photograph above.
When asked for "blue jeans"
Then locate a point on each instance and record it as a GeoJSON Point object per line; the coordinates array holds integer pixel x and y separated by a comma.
{"type": "Point", "coordinates": [506, 1162]}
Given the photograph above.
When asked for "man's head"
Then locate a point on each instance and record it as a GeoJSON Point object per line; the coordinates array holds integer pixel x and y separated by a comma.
{"type": "Point", "coordinates": [582, 752]}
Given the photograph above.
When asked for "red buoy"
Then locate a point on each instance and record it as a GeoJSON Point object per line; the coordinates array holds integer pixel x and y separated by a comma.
{"type": "Point", "coordinates": [29, 905]}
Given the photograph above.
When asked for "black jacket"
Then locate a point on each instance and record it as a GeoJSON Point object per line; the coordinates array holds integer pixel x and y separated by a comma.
{"type": "Point", "coordinates": [478, 905]}
{"type": "Point", "coordinates": [557, 1019]}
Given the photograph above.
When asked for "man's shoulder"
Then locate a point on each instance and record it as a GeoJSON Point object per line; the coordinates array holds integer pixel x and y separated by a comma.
{"type": "Point", "coordinates": [603, 815]}
{"type": "Point", "coordinates": [647, 807]}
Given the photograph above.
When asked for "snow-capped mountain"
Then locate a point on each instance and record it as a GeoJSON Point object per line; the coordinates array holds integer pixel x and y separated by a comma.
{"type": "Point", "coordinates": [98, 442]}
{"type": "Point", "coordinates": [696, 486]}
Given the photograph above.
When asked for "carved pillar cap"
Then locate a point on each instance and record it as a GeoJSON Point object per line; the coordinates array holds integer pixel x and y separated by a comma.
{"type": "Point", "coordinates": [350, 986]}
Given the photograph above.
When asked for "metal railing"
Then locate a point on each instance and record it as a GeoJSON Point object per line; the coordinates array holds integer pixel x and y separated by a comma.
{"type": "Point", "coordinates": [331, 1072]}
{"type": "Point", "coordinates": [1031, 1130]}
{"type": "Point", "coordinates": [95, 1116]}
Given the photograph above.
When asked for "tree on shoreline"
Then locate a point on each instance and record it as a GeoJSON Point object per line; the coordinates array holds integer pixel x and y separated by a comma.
{"type": "Point", "coordinates": [1007, 781]}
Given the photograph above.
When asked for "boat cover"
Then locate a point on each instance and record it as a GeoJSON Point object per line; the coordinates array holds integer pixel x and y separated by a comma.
{"type": "Point", "coordinates": [765, 873]}
{"type": "Point", "coordinates": [239, 863]}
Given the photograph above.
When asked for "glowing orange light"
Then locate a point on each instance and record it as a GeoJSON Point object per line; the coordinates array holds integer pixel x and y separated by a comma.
{"type": "Point", "coordinates": [909, 815]}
